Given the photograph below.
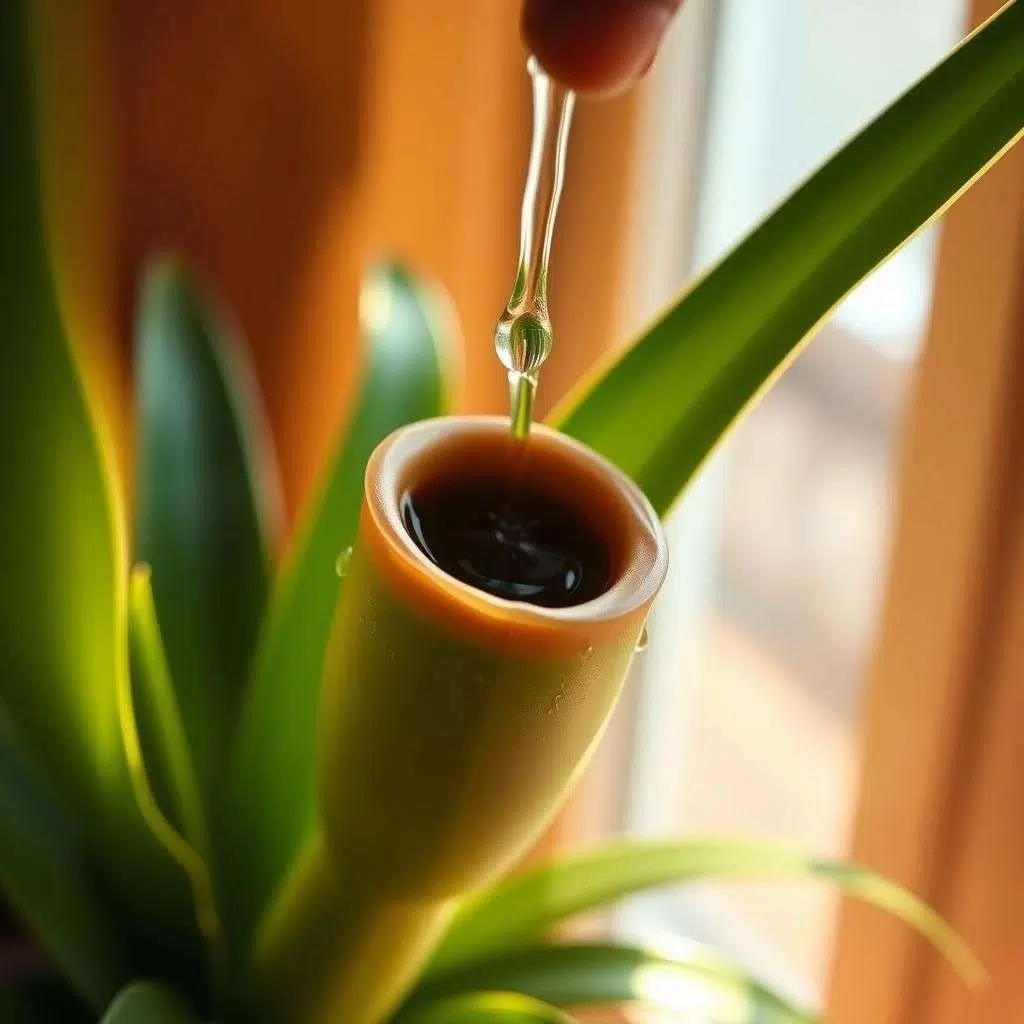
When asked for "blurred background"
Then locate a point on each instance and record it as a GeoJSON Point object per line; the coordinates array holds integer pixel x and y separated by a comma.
{"type": "Point", "coordinates": [781, 545]}
{"type": "Point", "coordinates": [812, 670]}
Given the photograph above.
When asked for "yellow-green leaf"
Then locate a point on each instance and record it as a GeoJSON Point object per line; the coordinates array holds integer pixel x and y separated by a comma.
{"type": "Point", "coordinates": [147, 1003]}
{"type": "Point", "coordinates": [517, 911]}
{"type": "Point", "coordinates": [63, 643]}
{"type": "Point", "coordinates": [486, 1008]}
{"type": "Point", "coordinates": [659, 409]}
{"type": "Point", "coordinates": [689, 979]}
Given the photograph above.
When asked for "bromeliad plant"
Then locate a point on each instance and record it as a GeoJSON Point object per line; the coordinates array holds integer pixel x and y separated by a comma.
{"type": "Point", "coordinates": [159, 791]}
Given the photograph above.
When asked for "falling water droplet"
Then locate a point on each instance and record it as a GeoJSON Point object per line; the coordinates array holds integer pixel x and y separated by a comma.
{"type": "Point", "coordinates": [341, 563]}
{"type": "Point", "coordinates": [641, 644]}
{"type": "Point", "coordinates": [522, 336]}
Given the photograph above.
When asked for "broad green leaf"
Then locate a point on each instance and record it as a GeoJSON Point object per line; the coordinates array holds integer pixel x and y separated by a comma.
{"type": "Point", "coordinates": [63, 643]}
{"type": "Point", "coordinates": [690, 979]}
{"type": "Point", "coordinates": [486, 1008]}
{"type": "Point", "coordinates": [272, 789]}
{"type": "Point", "coordinates": [203, 505]}
{"type": "Point", "coordinates": [147, 1003]}
{"type": "Point", "coordinates": [659, 409]}
{"type": "Point", "coordinates": [517, 911]}
{"type": "Point", "coordinates": [44, 878]}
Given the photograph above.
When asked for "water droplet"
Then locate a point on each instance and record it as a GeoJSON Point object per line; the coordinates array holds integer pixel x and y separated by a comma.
{"type": "Point", "coordinates": [641, 644]}
{"type": "Point", "coordinates": [556, 702]}
{"type": "Point", "coordinates": [522, 337]}
{"type": "Point", "coordinates": [341, 563]}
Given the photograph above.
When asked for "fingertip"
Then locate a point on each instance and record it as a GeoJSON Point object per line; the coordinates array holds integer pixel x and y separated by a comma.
{"type": "Point", "coordinates": [596, 46]}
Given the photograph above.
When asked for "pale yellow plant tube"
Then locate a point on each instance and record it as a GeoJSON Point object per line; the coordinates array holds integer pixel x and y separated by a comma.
{"type": "Point", "coordinates": [453, 722]}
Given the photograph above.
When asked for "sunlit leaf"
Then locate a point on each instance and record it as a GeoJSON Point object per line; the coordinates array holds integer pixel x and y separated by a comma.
{"type": "Point", "coordinates": [63, 643]}
{"type": "Point", "coordinates": [690, 979]}
{"type": "Point", "coordinates": [146, 1003]}
{"type": "Point", "coordinates": [407, 343]}
{"type": "Point", "coordinates": [203, 506]}
{"type": "Point", "coordinates": [659, 409]}
{"type": "Point", "coordinates": [485, 1008]}
{"type": "Point", "coordinates": [518, 911]}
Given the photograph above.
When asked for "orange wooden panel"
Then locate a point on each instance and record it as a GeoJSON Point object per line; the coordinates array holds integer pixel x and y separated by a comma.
{"type": "Point", "coordinates": [934, 686]}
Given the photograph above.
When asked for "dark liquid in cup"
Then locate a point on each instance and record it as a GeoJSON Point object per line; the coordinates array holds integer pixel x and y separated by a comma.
{"type": "Point", "coordinates": [508, 540]}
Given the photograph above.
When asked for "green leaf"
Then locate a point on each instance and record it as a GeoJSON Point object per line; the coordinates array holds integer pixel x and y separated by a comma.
{"type": "Point", "coordinates": [486, 1008]}
{"type": "Point", "coordinates": [272, 789]}
{"type": "Point", "coordinates": [63, 644]}
{"type": "Point", "coordinates": [162, 740]}
{"type": "Point", "coordinates": [166, 782]}
{"type": "Point", "coordinates": [517, 911]}
{"type": "Point", "coordinates": [659, 409]}
{"type": "Point", "coordinates": [203, 506]}
{"type": "Point", "coordinates": [692, 980]}
{"type": "Point", "coordinates": [146, 1003]}
{"type": "Point", "coordinates": [44, 878]}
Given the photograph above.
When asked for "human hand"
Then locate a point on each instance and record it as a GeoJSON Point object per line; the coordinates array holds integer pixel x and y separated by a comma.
{"type": "Point", "coordinates": [596, 46]}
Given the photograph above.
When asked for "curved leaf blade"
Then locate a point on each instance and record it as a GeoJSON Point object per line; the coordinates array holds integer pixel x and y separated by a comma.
{"type": "Point", "coordinates": [163, 744]}
{"type": "Point", "coordinates": [147, 1003]}
{"type": "Point", "coordinates": [175, 796]}
{"type": "Point", "coordinates": [486, 1008]}
{"type": "Point", "coordinates": [692, 979]}
{"type": "Point", "coordinates": [44, 878]}
{"type": "Point", "coordinates": [407, 339]}
{"type": "Point", "coordinates": [63, 643]}
{"type": "Point", "coordinates": [204, 506]}
{"type": "Point", "coordinates": [517, 911]}
{"type": "Point", "coordinates": [688, 377]}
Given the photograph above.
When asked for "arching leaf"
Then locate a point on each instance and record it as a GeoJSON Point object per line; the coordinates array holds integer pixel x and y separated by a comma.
{"type": "Point", "coordinates": [63, 642]}
{"type": "Point", "coordinates": [691, 980]}
{"type": "Point", "coordinates": [519, 910]}
{"type": "Point", "coordinates": [146, 1003]}
{"type": "Point", "coordinates": [659, 409]}
{"type": "Point", "coordinates": [205, 503]}
{"type": "Point", "coordinates": [486, 1008]}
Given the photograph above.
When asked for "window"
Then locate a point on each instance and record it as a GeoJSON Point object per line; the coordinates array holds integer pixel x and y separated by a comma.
{"type": "Point", "coordinates": [745, 720]}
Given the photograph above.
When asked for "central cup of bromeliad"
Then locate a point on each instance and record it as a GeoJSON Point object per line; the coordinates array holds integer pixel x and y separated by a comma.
{"type": "Point", "coordinates": [489, 613]}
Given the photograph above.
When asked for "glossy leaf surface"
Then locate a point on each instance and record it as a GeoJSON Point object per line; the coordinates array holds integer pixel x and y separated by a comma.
{"type": "Point", "coordinates": [691, 980]}
{"type": "Point", "coordinates": [63, 643]}
{"type": "Point", "coordinates": [660, 408]}
{"type": "Point", "coordinates": [486, 1008]}
{"type": "Point", "coordinates": [518, 911]}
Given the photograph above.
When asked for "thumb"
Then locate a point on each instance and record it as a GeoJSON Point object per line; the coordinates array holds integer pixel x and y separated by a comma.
{"type": "Point", "coordinates": [596, 46]}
